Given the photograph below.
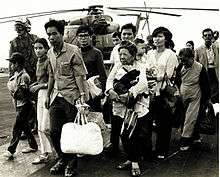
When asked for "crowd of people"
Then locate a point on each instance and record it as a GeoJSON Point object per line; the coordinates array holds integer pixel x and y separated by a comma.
{"type": "Point", "coordinates": [133, 91]}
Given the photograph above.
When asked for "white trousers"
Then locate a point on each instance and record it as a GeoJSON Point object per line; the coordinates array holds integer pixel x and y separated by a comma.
{"type": "Point", "coordinates": [43, 122]}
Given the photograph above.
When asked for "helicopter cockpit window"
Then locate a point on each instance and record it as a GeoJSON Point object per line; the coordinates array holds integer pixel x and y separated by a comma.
{"type": "Point", "coordinates": [107, 18]}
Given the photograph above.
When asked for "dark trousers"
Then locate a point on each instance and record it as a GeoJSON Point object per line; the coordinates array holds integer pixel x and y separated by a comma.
{"type": "Point", "coordinates": [95, 104]}
{"type": "Point", "coordinates": [106, 109]}
{"type": "Point", "coordinates": [116, 124]}
{"type": "Point", "coordinates": [162, 116]}
{"type": "Point", "coordinates": [61, 112]}
{"type": "Point", "coordinates": [140, 143]}
{"type": "Point", "coordinates": [214, 85]}
{"type": "Point", "coordinates": [33, 116]}
{"type": "Point", "coordinates": [21, 124]}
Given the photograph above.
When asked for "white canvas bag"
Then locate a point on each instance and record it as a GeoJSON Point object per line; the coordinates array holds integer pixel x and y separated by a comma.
{"type": "Point", "coordinates": [81, 137]}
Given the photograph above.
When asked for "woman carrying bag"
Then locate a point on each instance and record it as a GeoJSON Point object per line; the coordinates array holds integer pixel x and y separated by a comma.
{"type": "Point", "coordinates": [130, 106]}
{"type": "Point", "coordinates": [165, 61]}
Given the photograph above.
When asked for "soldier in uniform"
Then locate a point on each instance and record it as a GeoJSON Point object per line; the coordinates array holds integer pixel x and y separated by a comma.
{"type": "Point", "coordinates": [23, 43]}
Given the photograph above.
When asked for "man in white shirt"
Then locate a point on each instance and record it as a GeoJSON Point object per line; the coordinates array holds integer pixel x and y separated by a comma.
{"type": "Point", "coordinates": [208, 55]}
{"type": "Point", "coordinates": [128, 33]}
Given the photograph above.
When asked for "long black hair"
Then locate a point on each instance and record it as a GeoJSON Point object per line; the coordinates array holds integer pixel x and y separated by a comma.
{"type": "Point", "coordinates": [167, 34]}
{"type": "Point", "coordinates": [42, 41]}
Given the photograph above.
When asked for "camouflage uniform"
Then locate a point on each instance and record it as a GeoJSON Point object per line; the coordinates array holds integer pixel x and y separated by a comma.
{"type": "Point", "coordinates": [24, 45]}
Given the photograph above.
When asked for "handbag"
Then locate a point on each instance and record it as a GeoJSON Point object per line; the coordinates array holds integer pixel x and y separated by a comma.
{"type": "Point", "coordinates": [169, 89]}
{"type": "Point", "coordinates": [130, 121]}
{"type": "Point", "coordinates": [97, 117]}
{"type": "Point", "coordinates": [81, 137]}
{"type": "Point", "coordinates": [207, 120]}
{"type": "Point", "coordinates": [173, 101]}
{"type": "Point", "coordinates": [177, 113]}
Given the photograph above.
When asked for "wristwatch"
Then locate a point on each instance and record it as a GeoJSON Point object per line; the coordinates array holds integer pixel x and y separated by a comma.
{"type": "Point", "coordinates": [83, 93]}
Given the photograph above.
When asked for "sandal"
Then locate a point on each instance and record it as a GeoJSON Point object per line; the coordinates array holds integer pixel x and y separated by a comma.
{"type": "Point", "coordinates": [135, 172]}
{"type": "Point", "coordinates": [70, 172]}
{"type": "Point", "coordinates": [124, 166]}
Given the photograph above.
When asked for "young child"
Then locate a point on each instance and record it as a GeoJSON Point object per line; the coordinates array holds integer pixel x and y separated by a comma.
{"type": "Point", "coordinates": [18, 86]}
{"type": "Point", "coordinates": [141, 50]}
{"type": "Point", "coordinates": [41, 47]}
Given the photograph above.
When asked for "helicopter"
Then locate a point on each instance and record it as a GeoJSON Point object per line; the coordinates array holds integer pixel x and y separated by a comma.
{"type": "Point", "coordinates": [102, 24]}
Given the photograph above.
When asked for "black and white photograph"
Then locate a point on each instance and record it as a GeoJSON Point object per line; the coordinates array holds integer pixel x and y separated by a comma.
{"type": "Point", "coordinates": [116, 88]}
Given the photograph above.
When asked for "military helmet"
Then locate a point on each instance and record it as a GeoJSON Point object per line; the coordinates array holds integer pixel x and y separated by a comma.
{"type": "Point", "coordinates": [20, 21]}
{"type": "Point", "coordinates": [28, 23]}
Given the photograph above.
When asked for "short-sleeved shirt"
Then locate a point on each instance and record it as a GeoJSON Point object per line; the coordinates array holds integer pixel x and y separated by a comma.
{"type": "Point", "coordinates": [67, 65]}
{"type": "Point", "coordinates": [19, 79]}
{"type": "Point", "coordinates": [42, 71]}
{"type": "Point", "coordinates": [114, 58]}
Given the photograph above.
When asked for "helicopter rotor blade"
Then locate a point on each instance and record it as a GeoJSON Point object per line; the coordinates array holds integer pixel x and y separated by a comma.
{"type": "Point", "coordinates": [44, 13]}
{"type": "Point", "coordinates": [37, 15]}
{"type": "Point", "coordinates": [172, 8]}
{"type": "Point", "coordinates": [33, 16]}
{"type": "Point", "coordinates": [128, 15]}
{"type": "Point", "coordinates": [140, 10]}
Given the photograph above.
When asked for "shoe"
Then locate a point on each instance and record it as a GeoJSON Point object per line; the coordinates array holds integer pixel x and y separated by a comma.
{"type": "Point", "coordinates": [41, 159]}
{"type": "Point", "coordinates": [23, 136]}
{"type": "Point", "coordinates": [184, 148]}
{"type": "Point", "coordinates": [8, 155]}
{"type": "Point", "coordinates": [70, 172]}
{"type": "Point", "coordinates": [135, 172]}
{"type": "Point", "coordinates": [28, 150]}
{"type": "Point", "coordinates": [34, 131]}
{"type": "Point", "coordinates": [198, 141]}
{"type": "Point", "coordinates": [111, 149]}
{"type": "Point", "coordinates": [124, 166]}
{"type": "Point", "coordinates": [161, 157]}
{"type": "Point", "coordinates": [58, 168]}
{"type": "Point", "coordinates": [107, 146]}
{"type": "Point", "coordinates": [109, 126]}
{"type": "Point", "coordinates": [80, 155]}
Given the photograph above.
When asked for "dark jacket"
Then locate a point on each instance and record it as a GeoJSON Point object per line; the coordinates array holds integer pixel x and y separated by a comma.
{"type": "Point", "coordinates": [93, 60]}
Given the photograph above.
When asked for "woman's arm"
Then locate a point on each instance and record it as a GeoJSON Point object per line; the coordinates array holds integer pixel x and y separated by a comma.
{"type": "Point", "coordinates": [50, 86]}
{"type": "Point", "coordinates": [111, 77]}
{"type": "Point", "coordinates": [109, 84]}
{"type": "Point", "coordinates": [172, 63]}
